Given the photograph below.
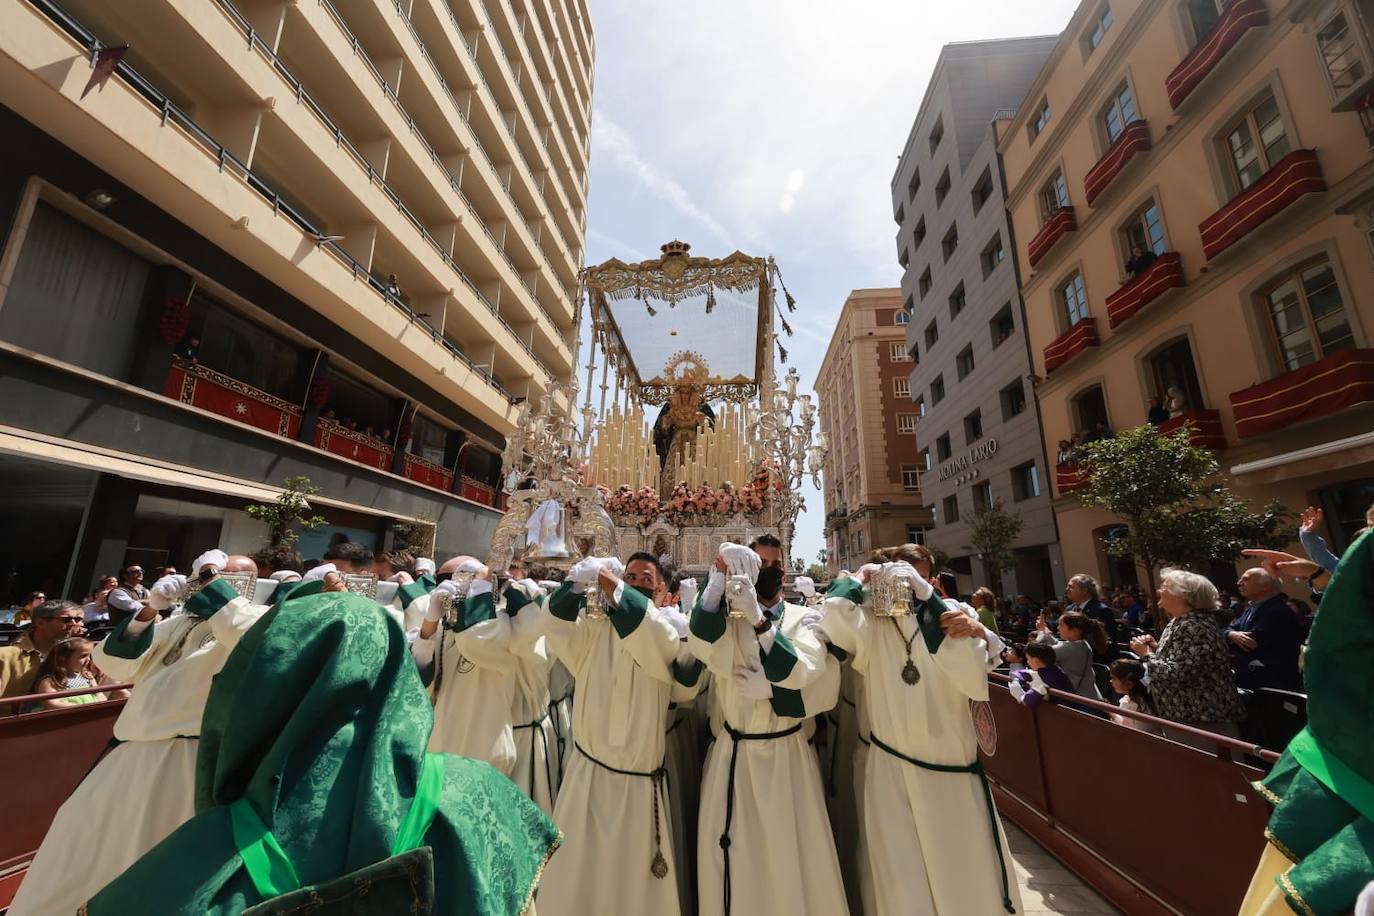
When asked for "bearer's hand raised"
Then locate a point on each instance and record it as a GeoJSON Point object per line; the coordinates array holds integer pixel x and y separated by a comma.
{"type": "Point", "coordinates": [167, 591]}
{"type": "Point", "coordinates": [740, 595]}
{"type": "Point", "coordinates": [753, 684]}
{"type": "Point", "coordinates": [740, 561]}
{"type": "Point", "coordinates": [906, 573]}
{"type": "Point", "coordinates": [584, 571]}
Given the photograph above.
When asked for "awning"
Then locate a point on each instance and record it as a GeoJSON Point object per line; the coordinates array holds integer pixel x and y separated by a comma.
{"type": "Point", "coordinates": [1316, 459]}
{"type": "Point", "coordinates": [29, 444]}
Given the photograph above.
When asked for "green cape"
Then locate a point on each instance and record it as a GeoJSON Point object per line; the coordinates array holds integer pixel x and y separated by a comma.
{"type": "Point", "coordinates": [1323, 785]}
{"type": "Point", "coordinates": [317, 726]}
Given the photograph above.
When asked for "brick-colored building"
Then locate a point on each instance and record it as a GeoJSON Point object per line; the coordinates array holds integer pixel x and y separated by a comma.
{"type": "Point", "coordinates": [872, 488]}
{"type": "Point", "coordinates": [1230, 141]}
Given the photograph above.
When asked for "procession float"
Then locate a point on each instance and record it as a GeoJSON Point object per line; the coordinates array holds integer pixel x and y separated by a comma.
{"type": "Point", "coordinates": [687, 432]}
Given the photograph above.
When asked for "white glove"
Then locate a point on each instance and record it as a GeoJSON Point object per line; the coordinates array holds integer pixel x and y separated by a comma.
{"type": "Point", "coordinates": [585, 571]}
{"type": "Point", "coordinates": [613, 566]}
{"type": "Point", "coordinates": [549, 585]}
{"type": "Point", "coordinates": [867, 572]}
{"type": "Point", "coordinates": [715, 591]}
{"type": "Point", "coordinates": [812, 620]}
{"type": "Point", "coordinates": [905, 572]}
{"type": "Point", "coordinates": [528, 587]}
{"type": "Point", "coordinates": [753, 684]}
{"type": "Point", "coordinates": [440, 598]}
{"type": "Point", "coordinates": [470, 566]}
{"type": "Point", "coordinates": [741, 596]}
{"type": "Point", "coordinates": [167, 591]}
{"type": "Point", "coordinates": [401, 578]}
{"type": "Point", "coordinates": [687, 594]}
{"type": "Point", "coordinates": [740, 561]}
{"type": "Point", "coordinates": [677, 619]}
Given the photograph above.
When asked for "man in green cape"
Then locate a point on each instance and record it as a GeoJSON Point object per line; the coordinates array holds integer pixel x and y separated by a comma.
{"type": "Point", "coordinates": [1321, 834]}
{"type": "Point", "coordinates": [313, 785]}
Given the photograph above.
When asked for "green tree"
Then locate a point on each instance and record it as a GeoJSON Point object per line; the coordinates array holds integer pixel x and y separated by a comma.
{"type": "Point", "coordinates": [286, 517]}
{"type": "Point", "coordinates": [1174, 501]}
{"type": "Point", "coordinates": [417, 537]}
{"type": "Point", "coordinates": [818, 573]}
{"type": "Point", "coordinates": [992, 530]}
{"type": "Point", "coordinates": [823, 556]}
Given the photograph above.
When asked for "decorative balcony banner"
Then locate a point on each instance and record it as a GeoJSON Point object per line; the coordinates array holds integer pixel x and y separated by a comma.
{"type": "Point", "coordinates": [334, 437]}
{"type": "Point", "coordinates": [478, 492]}
{"type": "Point", "coordinates": [1295, 175]}
{"type": "Point", "coordinates": [1056, 227]}
{"type": "Point", "coordinates": [1204, 428]}
{"type": "Point", "coordinates": [422, 470]}
{"type": "Point", "coordinates": [1071, 343]}
{"type": "Point", "coordinates": [1341, 380]}
{"type": "Point", "coordinates": [1135, 138]}
{"type": "Point", "coordinates": [1164, 274]}
{"type": "Point", "coordinates": [1240, 16]}
{"type": "Point", "coordinates": [1071, 477]}
{"type": "Point", "coordinates": [194, 384]}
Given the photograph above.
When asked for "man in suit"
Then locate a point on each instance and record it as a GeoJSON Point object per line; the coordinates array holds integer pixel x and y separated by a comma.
{"type": "Point", "coordinates": [1083, 591]}
{"type": "Point", "coordinates": [1267, 636]}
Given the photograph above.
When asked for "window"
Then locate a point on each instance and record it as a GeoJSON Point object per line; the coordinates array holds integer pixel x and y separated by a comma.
{"type": "Point", "coordinates": [982, 191]}
{"type": "Point", "coordinates": [951, 506]}
{"type": "Point", "coordinates": [982, 496]}
{"type": "Point", "coordinates": [1119, 112]}
{"type": "Point", "coordinates": [900, 317]}
{"type": "Point", "coordinates": [1074, 300]}
{"type": "Point", "coordinates": [1090, 411]}
{"type": "Point", "coordinates": [1173, 373]}
{"type": "Point", "coordinates": [915, 534]}
{"type": "Point", "coordinates": [1144, 230]}
{"type": "Point", "coordinates": [896, 351]}
{"type": "Point", "coordinates": [937, 389]}
{"type": "Point", "coordinates": [950, 243]}
{"type": "Point", "coordinates": [918, 235]}
{"type": "Point", "coordinates": [428, 439]}
{"type": "Point", "coordinates": [1042, 119]}
{"type": "Point", "coordinates": [911, 477]}
{"type": "Point", "coordinates": [914, 184]}
{"type": "Point", "coordinates": [1098, 30]}
{"type": "Point", "coordinates": [1054, 196]}
{"type": "Point", "coordinates": [963, 363]}
{"type": "Point", "coordinates": [932, 334]}
{"type": "Point", "coordinates": [973, 427]}
{"type": "Point", "coordinates": [1025, 482]}
{"type": "Point", "coordinates": [903, 258]}
{"type": "Point", "coordinates": [1256, 142]}
{"type": "Point", "coordinates": [909, 306]}
{"type": "Point", "coordinates": [993, 254]}
{"type": "Point", "coordinates": [1341, 57]}
{"type": "Point", "coordinates": [942, 187]}
{"type": "Point", "coordinates": [925, 282]}
{"type": "Point", "coordinates": [925, 459]}
{"type": "Point", "coordinates": [1345, 506]}
{"type": "Point", "coordinates": [906, 424]}
{"type": "Point", "coordinates": [1203, 16]}
{"type": "Point", "coordinates": [920, 405]}
{"type": "Point", "coordinates": [942, 448]}
{"type": "Point", "coordinates": [937, 134]}
{"type": "Point", "coordinates": [1002, 326]}
{"type": "Point", "coordinates": [900, 215]}
{"type": "Point", "coordinates": [1013, 398]}
{"type": "Point", "coordinates": [1307, 314]}
{"type": "Point", "coordinates": [901, 387]}
{"type": "Point", "coordinates": [957, 301]}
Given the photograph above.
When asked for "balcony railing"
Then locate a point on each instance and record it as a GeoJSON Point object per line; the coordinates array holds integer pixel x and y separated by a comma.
{"type": "Point", "coordinates": [333, 437]}
{"type": "Point", "coordinates": [197, 385]}
{"type": "Point", "coordinates": [479, 492]}
{"type": "Point", "coordinates": [1240, 16]}
{"type": "Point", "coordinates": [1135, 138]}
{"type": "Point", "coordinates": [1071, 343]}
{"type": "Point", "coordinates": [422, 470]}
{"type": "Point", "coordinates": [1060, 224]}
{"type": "Point", "coordinates": [1341, 380]}
{"type": "Point", "coordinates": [1071, 477]}
{"type": "Point", "coordinates": [1203, 426]}
{"type": "Point", "coordinates": [1294, 176]}
{"type": "Point", "coordinates": [1164, 274]}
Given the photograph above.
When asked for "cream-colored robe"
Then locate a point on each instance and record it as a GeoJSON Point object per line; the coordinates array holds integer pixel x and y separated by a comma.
{"type": "Point", "coordinates": [623, 669]}
{"type": "Point", "coordinates": [536, 743]}
{"type": "Point", "coordinates": [927, 834]}
{"type": "Point", "coordinates": [841, 788]}
{"type": "Point", "coordinates": [682, 759]}
{"type": "Point", "coordinates": [145, 787]}
{"type": "Point", "coordinates": [782, 855]}
{"type": "Point", "coordinates": [560, 708]}
{"type": "Point", "coordinates": [474, 684]}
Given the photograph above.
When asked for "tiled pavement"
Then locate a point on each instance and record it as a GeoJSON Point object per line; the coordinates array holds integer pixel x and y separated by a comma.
{"type": "Point", "coordinates": [1047, 887]}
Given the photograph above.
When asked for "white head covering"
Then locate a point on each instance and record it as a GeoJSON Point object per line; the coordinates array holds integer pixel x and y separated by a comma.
{"type": "Point", "coordinates": [425, 566]}
{"type": "Point", "coordinates": [548, 513]}
{"type": "Point", "coordinates": [216, 558]}
{"type": "Point", "coordinates": [319, 572]}
{"type": "Point", "coordinates": [806, 585]}
{"type": "Point", "coordinates": [286, 575]}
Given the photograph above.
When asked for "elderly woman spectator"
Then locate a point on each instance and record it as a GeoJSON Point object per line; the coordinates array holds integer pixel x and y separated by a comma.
{"type": "Point", "coordinates": [1189, 666]}
{"type": "Point", "coordinates": [985, 605]}
{"type": "Point", "coordinates": [1080, 638]}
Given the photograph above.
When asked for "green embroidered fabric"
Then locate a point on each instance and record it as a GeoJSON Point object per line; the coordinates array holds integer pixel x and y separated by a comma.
{"type": "Point", "coordinates": [317, 725]}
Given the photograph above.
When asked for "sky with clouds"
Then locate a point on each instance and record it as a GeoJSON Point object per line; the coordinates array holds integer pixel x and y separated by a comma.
{"type": "Point", "coordinates": [772, 127]}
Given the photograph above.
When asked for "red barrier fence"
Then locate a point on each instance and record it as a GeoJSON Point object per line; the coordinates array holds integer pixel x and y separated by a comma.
{"type": "Point", "coordinates": [1154, 825]}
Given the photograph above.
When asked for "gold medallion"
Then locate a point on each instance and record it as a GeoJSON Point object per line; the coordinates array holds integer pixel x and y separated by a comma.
{"type": "Point", "coordinates": [909, 672]}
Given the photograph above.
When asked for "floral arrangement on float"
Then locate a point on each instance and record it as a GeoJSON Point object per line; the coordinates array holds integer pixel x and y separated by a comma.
{"type": "Point", "coordinates": [687, 507]}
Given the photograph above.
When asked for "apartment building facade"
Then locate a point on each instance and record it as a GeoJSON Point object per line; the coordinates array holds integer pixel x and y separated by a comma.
{"type": "Point", "coordinates": [246, 240]}
{"type": "Point", "coordinates": [1192, 194]}
{"type": "Point", "coordinates": [980, 441]}
{"type": "Point", "coordinates": [872, 486]}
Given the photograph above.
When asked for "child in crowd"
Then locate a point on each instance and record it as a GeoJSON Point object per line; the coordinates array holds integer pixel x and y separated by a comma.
{"type": "Point", "coordinates": [1032, 685]}
{"type": "Point", "coordinates": [1014, 656]}
{"type": "Point", "coordinates": [68, 667]}
{"type": "Point", "coordinates": [1128, 679]}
